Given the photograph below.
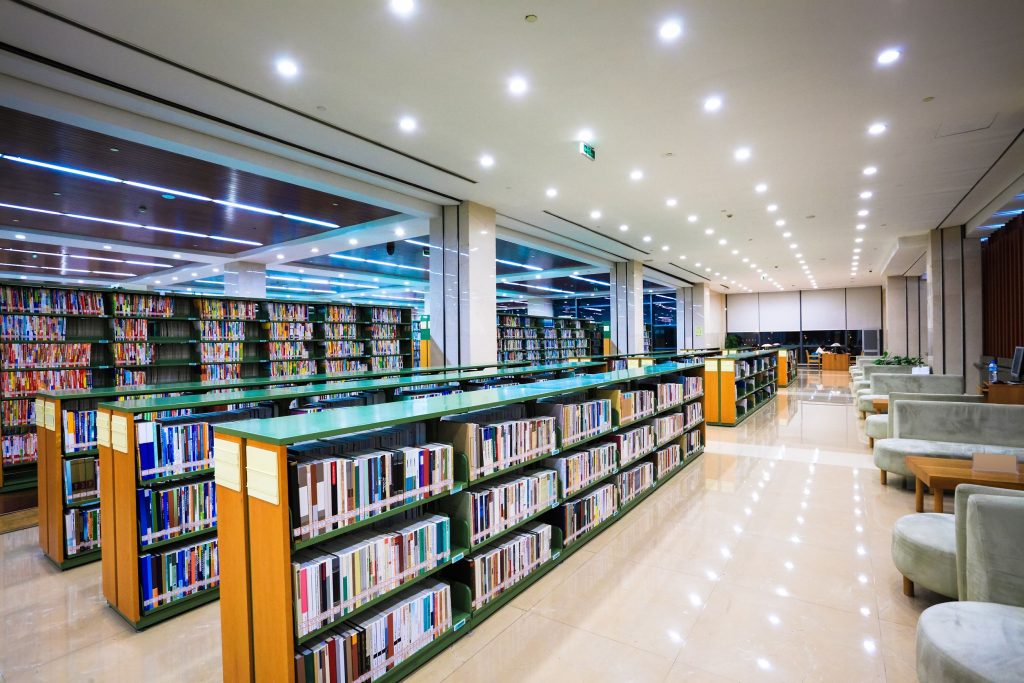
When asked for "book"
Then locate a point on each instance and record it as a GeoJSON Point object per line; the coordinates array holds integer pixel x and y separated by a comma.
{"type": "Point", "coordinates": [581, 515]}
{"type": "Point", "coordinates": [26, 356]}
{"type": "Point", "coordinates": [579, 469]}
{"type": "Point", "coordinates": [667, 459]}
{"type": "Point", "coordinates": [79, 430]}
{"type": "Point", "coordinates": [81, 530]}
{"type": "Point", "coordinates": [635, 443]}
{"type": "Point", "coordinates": [173, 511]}
{"type": "Point", "coordinates": [578, 421]}
{"type": "Point", "coordinates": [81, 479]}
{"type": "Point", "coordinates": [500, 565]}
{"type": "Point", "coordinates": [174, 574]}
{"type": "Point", "coordinates": [506, 501]}
{"type": "Point", "coordinates": [634, 481]}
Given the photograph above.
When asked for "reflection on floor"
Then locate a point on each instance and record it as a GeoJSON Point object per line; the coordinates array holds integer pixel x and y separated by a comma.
{"type": "Point", "coordinates": [766, 560]}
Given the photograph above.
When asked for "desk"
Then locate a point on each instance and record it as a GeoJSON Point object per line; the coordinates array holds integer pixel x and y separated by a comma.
{"type": "Point", "coordinates": [881, 405]}
{"type": "Point", "coordinates": [1012, 394]}
{"type": "Point", "coordinates": [940, 474]}
{"type": "Point", "coordinates": [835, 361]}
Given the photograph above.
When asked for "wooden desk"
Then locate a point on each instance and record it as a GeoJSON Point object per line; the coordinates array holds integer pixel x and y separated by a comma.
{"type": "Point", "coordinates": [835, 361]}
{"type": "Point", "coordinates": [1012, 394]}
{"type": "Point", "coordinates": [881, 405]}
{"type": "Point", "coordinates": [940, 474]}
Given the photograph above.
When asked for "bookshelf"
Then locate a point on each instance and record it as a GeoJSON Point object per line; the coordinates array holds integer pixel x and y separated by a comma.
{"type": "Point", "coordinates": [558, 497]}
{"type": "Point", "coordinates": [787, 366]}
{"type": "Point", "coordinates": [54, 508]}
{"type": "Point", "coordinates": [737, 385]}
{"type": "Point", "coordinates": [539, 339]}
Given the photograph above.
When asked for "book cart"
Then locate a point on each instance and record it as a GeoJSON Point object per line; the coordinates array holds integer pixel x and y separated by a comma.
{"type": "Point", "coordinates": [265, 477]}
{"type": "Point", "coordinates": [739, 384]}
{"type": "Point", "coordinates": [142, 515]}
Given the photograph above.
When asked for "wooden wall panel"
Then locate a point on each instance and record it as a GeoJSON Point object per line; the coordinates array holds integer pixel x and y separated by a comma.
{"type": "Point", "coordinates": [1003, 289]}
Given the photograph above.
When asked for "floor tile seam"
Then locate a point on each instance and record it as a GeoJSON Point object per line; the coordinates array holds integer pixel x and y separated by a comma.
{"type": "Point", "coordinates": [873, 618]}
{"type": "Point", "coordinates": [612, 638]}
{"type": "Point", "coordinates": [678, 572]}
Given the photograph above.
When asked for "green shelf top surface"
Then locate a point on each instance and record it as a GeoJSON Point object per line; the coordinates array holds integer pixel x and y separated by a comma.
{"type": "Point", "coordinates": [344, 387]}
{"type": "Point", "coordinates": [295, 428]}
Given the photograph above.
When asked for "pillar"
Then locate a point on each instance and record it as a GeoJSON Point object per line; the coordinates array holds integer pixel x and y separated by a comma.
{"type": "Point", "coordinates": [954, 302]}
{"type": "Point", "coordinates": [684, 318]}
{"type": "Point", "coordinates": [627, 307]}
{"type": "Point", "coordinates": [245, 278]}
{"type": "Point", "coordinates": [906, 317]}
{"type": "Point", "coordinates": [462, 286]}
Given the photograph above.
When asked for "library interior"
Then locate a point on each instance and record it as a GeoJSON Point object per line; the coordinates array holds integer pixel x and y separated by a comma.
{"type": "Point", "coordinates": [751, 408]}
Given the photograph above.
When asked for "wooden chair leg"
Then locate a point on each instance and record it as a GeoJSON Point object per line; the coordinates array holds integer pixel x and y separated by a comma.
{"type": "Point", "coordinates": [908, 587]}
{"type": "Point", "coordinates": [883, 476]}
{"type": "Point", "coordinates": [861, 414]}
{"type": "Point", "coordinates": [871, 442]}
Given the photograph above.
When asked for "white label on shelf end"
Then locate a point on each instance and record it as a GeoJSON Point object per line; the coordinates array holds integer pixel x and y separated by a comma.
{"type": "Point", "coordinates": [103, 428]}
{"type": "Point", "coordinates": [50, 417]}
{"type": "Point", "coordinates": [40, 410]}
{"type": "Point", "coordinates": [261, 474]}
{"type": "Point", "coordinates": [119, 433]}
{"type": "Point", "coordinates": [226, 464]}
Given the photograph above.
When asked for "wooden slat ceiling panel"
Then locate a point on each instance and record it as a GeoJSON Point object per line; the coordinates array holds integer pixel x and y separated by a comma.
{"type": "Point", "coordinates": [18, 256]}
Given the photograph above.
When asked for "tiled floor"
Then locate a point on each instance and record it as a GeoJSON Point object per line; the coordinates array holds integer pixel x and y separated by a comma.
{"type": "Point", "coordinates": [768, 560]}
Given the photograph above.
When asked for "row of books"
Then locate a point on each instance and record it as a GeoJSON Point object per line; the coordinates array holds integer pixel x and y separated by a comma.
{"type": "Point", "coordinates": [79, 430]}
{"type": "Point", "coordinates": [500, 565]}
{"type": "Point", "coordinates": [175, 574]}
{"type": "Point", "coordinates": [385, 315]}
{"type": "Point", "coordinates": [45, 355]}
{"type": "Point", "coordinates": [288, 350]}
{"type": "Point", "coordinates": [507, 501]}
{"type": "Point", "coordinates": [668, 427]}
{"type": "Point", "coordinates": [219, 309]}
{"type": "Point", "coordinates": [287, 312]}
{"type": "Point", "coordinates": [292, 368]}
{"type": "Point", "coordinates": [337, 482]}
{"type": "Point", "coordinates": [579, 421]}
{"type": "Point", "coordinates": [541, 344]}
{"type": "Point", "coordinates": [19, 449]}
{"type": "Point", "coordinates": [368, 646]}
{"type": "Point", "coordinates": [18, 413]}
{"type": "Point", "coordinates": [635, 443]}
{"type": "Point", "coordinates": [131, 329]}
{"type": "Point", "coordinates": [344, 367]}
{"type": "Point", "coordinates": [541, 356]}
{"type": "Point", "coordinates": [692, 442]}
{"type": "Point", "coordinates": [341, 330]}
{"type": "Point", "coordinates": [636, 405]}
{"type": "Point", "coordinates": [499, 438]}
{"type": "Point", "coordinates": [215, 373]}
{"type": "Point", "coordinates": [81, 530]}
{"type": "Point", "coordinates": [28, 383]}
{"type": "Point", "coordinates": [382, 331]}
{"type": "Point", "coordinates": [148, 305]}
{"type": "Point", "coordinates": [341, 314]}
{"type": "Point", "coordinates": [579, 469]}
{"type": "Point", "coordinates": [341, 575]}
{"type": "Point", "coordinates": [387, 363]}
{"type": "Point", "coordinates": [344, 349]}
{"type": "Point", "coordinates": [583, 514]}
{"type": "Point", "coordinates": [222, 330]}
{"type": "Point", "coordinates": [290, 330]}
{"type": "Point", "coordinates": [694, 413]}
{"type": "Point", "coordinates": [15, 299]}
{"type": "Point", "coordinates": [221, 352]}
{"type": "Point", "coordinates": [177, 510]}
{"type": "Point", "coordinates": [634, 481]}
{"type": "Point", "coordinates": [527, 321]}
{"type": "Point", "coordinates": [129, 378]}
{"type": "Point", "coordinates": [33, 328]}
{"type": "Point", "coordinates": [132, 354]}
{"type": "Point", "coordinates": [385, 347]}
{"type": "Point", "coordinates": [667, 459]}
{"type": "Point", "coordinates": [81, 479]}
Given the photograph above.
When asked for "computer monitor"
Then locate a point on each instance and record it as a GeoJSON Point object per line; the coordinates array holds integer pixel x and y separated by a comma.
{"type": "Point", "coordinates": [1018, 361]}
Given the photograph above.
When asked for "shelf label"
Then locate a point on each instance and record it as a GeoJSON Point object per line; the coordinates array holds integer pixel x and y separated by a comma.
{"type": "Point", "coordinates": [261, 474]}
{"type": "Point", "coordinates": [459, 624]}
{"type": "Point", "coordinates": [40, 409]}
{"type": "Point", "coordinates": [458, 557]}
{"type": "Point", "coordinates": [555, 555]}
{"type": "Point", "coordinates": [727, 365]}
{"type": "Point", "coordinates": [102, 428]}
{"type": "Point", "coordinates": [226, 464]}
{"type": "Point", "coordinates": [119, 433]}
{"type": "Point", "coordinates": [50, 417]}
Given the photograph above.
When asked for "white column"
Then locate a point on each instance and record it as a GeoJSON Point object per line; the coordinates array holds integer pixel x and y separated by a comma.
{"type": "Point", "coordinates": [906, 332]}
{"type": "Point", "coordinates": [244, 278]}
{"type": "Point", "coordinates": [462, 286]}
{"type": "Point", "coordinates": [542, 307]}
{"type": "Point", "coordinates": [627, 307]}
{"type": "Point", "coordinates": [954, 302]}
{"type": "Point", "coordinates": [684, 318]}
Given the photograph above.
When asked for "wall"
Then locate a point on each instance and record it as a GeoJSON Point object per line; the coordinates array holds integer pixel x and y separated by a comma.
{"type": "Point", "coordinates": [906, 316]}
{"type": "Point", "coordinates": [1002, 266]}
{"type": "Point", "coordinates": [714, 320]}
{"type": "Point", "coordinates": [852, 308]}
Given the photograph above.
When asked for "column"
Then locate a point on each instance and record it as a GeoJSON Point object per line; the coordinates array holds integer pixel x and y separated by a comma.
{"type": "Point", "coordinates": [245, 278]}
{"type": "Point", "coordinates": [954, 302]}
{"type": "Point", "coordinates": [541, 307]}
{"type": "Point", "coordinates": [906, 325]}
{"type": "Point", "coordinates": [462, 286]}
{"type": "Point", "coordinates": [698, 313]}
{"type": "Point", "coordinates": [627, 307]}
{"type": "Point", "coordinates": [684, 318]}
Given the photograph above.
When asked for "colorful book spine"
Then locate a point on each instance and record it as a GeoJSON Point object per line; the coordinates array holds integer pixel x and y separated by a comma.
{"type": "Point", "coordinates": [220, 309]}
{"type": "Point", "coordinates": [334, 579]}
{"type": "Point", "coordinates": [694, 413]}
{"type": "Point", "coordinates": [19, 449]}
{"type": "Point", "coordinates": [582, 515]}
{"type": "Point", "coordinates": [79, 430]}
{"type": "Point", "coordinates": [668, 427]}
{"type": "Point", "coordinates": [342, 314]}
{"type": "Point", "coordinates": [290, 330]}
{"type": "Point", "coordinates": [146, 305]}
{"type": "Point", "coordinates": [221, 352]}
{"type": "Point", "coordinates": [81, 530]}
{"type": "Point", "coordinates": [366, 647]}
{"type": "Point", "coordinates": [693, 442]}
{"type": "Point", "coordinates": [667, 459]}
{"type": "Point", "coordinates": [579, 421]}
{"type": "Point", "coordinates": [129, 378]}
{"type": "Point", "coordinates": [694, 387]}
{"type": "Point", "coordinates": [292, 368]}
{"type": "Point", "coordinates": [501, 445]}
{"type": "Point", "coordinates": [344, 367]}
{"type": "Point", "coordinates": [175, 574]}
{"type": "Point", "coordinates": [288, 350]}
{"type": "Point", "coordinates": [344, 349]}
{"type": "Point", "coordinates": [81, 479]}
{"type": "Point", "coordinates": [214, 373]}
{"type": "Point", "coordinates": [341, 330]}
{"type": "Point", "coordinates": [382, 331]}
{"type": "Point", "coordinates": [579, 469]}
{"type": "Point", "coordinates": [507, 501]}
{"type": "Point", "coordinates": [222, 330]}
{"type": "Point", "coordinates": [501, 565]}
{"type": "Point", "coordinates": [28, 383]}
{"type": "Point", "coordinates": [635, 405]}
{"type": "Point", "coordinates": [171, 512]}
{"type": "Point", "coordinates": [634, 481]}
{"type": "Point", "coordinates": [45, 355]}
{"type": "Point", "coordinates": [132, 354]}
{"type": "Point", "coordinates": [387, 363]}
{"type": "Point", "coordinates": [287, 312]}
{"type": "Point", "coordinates": [14, 299]}
{"type": "Point", "coordinates": [385, 347]}
{"type": "Point", "coordinates": [670, 394]}
{"type": "Point", "coordinates": [18, 413]}
{"type": "Point", "coordinates": [131, 329]}
{"type": "Point", "coordinates": [386, 315]}
{"type": "Point", "coordinates": [33, 328]}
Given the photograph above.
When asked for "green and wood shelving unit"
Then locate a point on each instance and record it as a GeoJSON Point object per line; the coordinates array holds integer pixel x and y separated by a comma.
{"type": "Point", "coordinates": [787, 366]}
{"type": "Point", "coordinates": [738, 384]}
{"type": "Point", "coordinates": [259, 636]}
{"type": "Point", "coordinates": [544, 339]}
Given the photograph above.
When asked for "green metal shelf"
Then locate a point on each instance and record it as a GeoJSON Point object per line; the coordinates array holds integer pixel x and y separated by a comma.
{"type": "Point", "coordinates": [163, 543]}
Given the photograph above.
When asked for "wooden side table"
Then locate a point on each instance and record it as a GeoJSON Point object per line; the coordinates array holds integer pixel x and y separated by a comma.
{"type": "Point", "coordinates": [881, 405]}
{"type": "Point", "coordinates": [940, 474]}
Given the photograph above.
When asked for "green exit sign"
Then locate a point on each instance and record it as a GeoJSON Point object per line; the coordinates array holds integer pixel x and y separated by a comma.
{"type": "Point", "coordinates": [588, 151]}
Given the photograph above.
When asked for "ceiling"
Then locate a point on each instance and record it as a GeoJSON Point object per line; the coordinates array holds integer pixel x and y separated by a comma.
{"type": "Point", "coordinates": [799, 84]}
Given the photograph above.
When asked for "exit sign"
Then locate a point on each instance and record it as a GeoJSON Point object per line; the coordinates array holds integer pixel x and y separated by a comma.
{"type": "Point", "coordinates": [588, 151]}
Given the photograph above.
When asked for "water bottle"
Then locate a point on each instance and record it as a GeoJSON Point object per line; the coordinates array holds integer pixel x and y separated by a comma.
{"type": "Point", "coordinates": [993, 372]}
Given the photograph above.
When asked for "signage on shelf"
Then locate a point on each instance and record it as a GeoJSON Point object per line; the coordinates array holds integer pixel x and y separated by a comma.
{"type": "Point", "coordinates": [588, 151]}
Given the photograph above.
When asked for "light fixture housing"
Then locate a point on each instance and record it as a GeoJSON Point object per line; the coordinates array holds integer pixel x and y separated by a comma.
{"type": "Point", "coordinates": [286, 67]}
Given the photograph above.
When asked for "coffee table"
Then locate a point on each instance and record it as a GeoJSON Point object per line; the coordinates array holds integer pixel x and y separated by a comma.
{"type": "Point", "coordinates": [881, 405]}
{"type": "Point", "coordinates": [940, 474]}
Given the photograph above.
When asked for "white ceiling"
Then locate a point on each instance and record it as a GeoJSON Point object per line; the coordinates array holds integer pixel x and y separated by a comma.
{"type": "Point", "coordinates": [799, 81]}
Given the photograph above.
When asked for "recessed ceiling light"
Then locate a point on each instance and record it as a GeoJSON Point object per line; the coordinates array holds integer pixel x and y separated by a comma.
{"type": "Point", "coordinates": [697, 264]}
{"type": "Point", "coordinates": [647, 238]}
{"type": "Point", "coordinates": [723, 242]}
{"type": "Point", "coordinates": [19, 236]}
{"type": "Point", "coordinates": [286, 67]}
{"type": "Point", "coordinates": [717, 273]}
{"type": "Point", "coordinates": [799, 256]}
{"type": "Point", "coordinates": [856, 251]}
{"type": "Point", "coordinates": [407, 124]}
{"type": "Point", "coordinates": [709, 231]}
{"type": "Point", "coordinates": [877, 128]}
{"type": "Point", "coordinates": [486, 160]}
{"type": "Point", "coordinates": [772, 208]}
{"type": "Point", "coordinates": [707, 270]}
{"type": "Point", "coordinates": [551, 192]}
{"type": "Point", "coordinates": [692, 218]}
{"type": "Point", "coordinates": [787, 234]}
{"type": "Point", "coordinates": [670, 30]}
{"type": "Point", "coordinates": [735, 252]}
{"type": "Point", "coordinates": [595, 214]}
{"type": "Point", "coordinates": [741, 154]}
{"type": "Point", "coordinates": [793, 245]}
{"type": "Point", "coordinates": [636, 174]}
{"type": "Point", "coordinates": [517, 85]}
{"type": "Point", "coordinates": [760, 188]}
{"type": "Point", "coordinates": [779, 223]}
{"type": "Point", "coordinates": [156, 281]}
{"type": "Point", "coordinates": [585, 135]}
{"type": "Point", "coordinates": [746, 259]}
{"type": "Point", "coordinates": [623, 227]}
{"type": "Point", "coordinates": [713, 103]}
{"type": "Point", "coordinates": [682, 257]}
{"type": "Point", "coordinates": [400, 231]}
{"type": "Point", "coordinates": [866, 194]}
{"type": "Point", "coordinates": [175, 255]}
{"type": "Point", "coordinates": [862, 213]}
{"type": "Point", "coordinates": [861, 226]}
{"type": "Point", "coordinates": [403, 8]}
{"type": "Point", "coordinates": [315, 250]}
{"type": "Point", "coordinates": [670, 202]}
{"type": "Point", "coordinates": [870, 170]}
{"type": "Point", "coordinates": [353, 241]}
{"type": "Point", "coordinates": [888, 56]}
{"type": "Point", "coordinates": [664, 247]}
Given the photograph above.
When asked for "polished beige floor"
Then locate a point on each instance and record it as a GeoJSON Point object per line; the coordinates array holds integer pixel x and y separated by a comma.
{"type": "Point", "coordinates": [768, 560]}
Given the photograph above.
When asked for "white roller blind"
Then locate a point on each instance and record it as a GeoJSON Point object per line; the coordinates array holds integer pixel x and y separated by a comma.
{"type": "Point", "coordinates": [864, 308]}
{"type": "Point", "coordinates": [741, 315]}
{"type": "Point", "coordinates": [779, 311]}
{"type": "Point", "coordinates": [823, 309]}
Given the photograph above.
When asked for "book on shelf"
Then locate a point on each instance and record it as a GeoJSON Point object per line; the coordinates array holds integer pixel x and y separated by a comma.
{"type": "Point", "coordinates": [579, 469]}
{"type": "Point", "coordinates": [634, 481]}
{"type": "Point", "coordinates": [286, 311]}
{"type": "Point", "coordinates": [347, 330]}
{"type": "Point", "coordinates": [500, 565]}
{"type": "Point", "coordinates": [667, 459]}
{"type": "Point", "coordinates": [499, 438]}
{"type": "Point", "coordinates": [285, 331]}
{"type": "Point", "coordinates": [221, 371]}
{"type": "Point", "coordinates": [387, 363]}
{"type": "Point", "coordinates": [692, 442]}
{"type": "Point", "coordinates": [222, 330]}
{"type": "Point", "coordinates": [81, 530]}
{"type": "Point", "coordinates": [33, 328]}
{"type": "Point", "coordinates": [578, 421]}
{"type": "Point", "coordinates": [292, 368]}
{"type": "Point", "coordinates": [635, 443]}
{"type": "Point", "coordinates": [19, 449]}
{"type": "Point", "coordinates": [81, 479]}
{"type": "Point", "coordinates": [385, 347]}
{"type": "Point", "coordinates": [130, 329]}
{"type": "Point", "coordinates": [581, 515]}
{"type": "Point", "coordinates": [221, 352]}
{"type": "Point", "coordinates": [344, 349]}
{"type": "Point", "coordinates": [26, 356]}
{"type": "Point", "coordinates": [289, 350]}
{"type": "Point", "coordinates": [368, 646]}
{"type": "Point", "coordinates": [33, 381]}
{"type": "Point", "coordinates": [124, 377]}
{"type": "Point", "coordinates": [220, 309]}
{"type": "Point", "coordinates": [146, 305]}
{"type": "Point", "coordinates": [79, 430]}
{"type": "Point", "coordinates": [134, 353]}
{"type": "Point", "coordinates": [382, 331]}
{"type": "Point", "coordinates": [341, 575]}
{"type": "Point", "coordinates": [668, 427]}
{"type": "Point", "coordinates": [386, 315]}
{"type": "Point", "coordinates": [45, 300]}
{"type": "Point", "coordinates": [344, 367]}
{"type": "Point", "coordinates": [172, 511]}
{"type": "Point", "coordinates": [170, 575]}
{"type": "Point", "coordinates": [504, 502]}
{"type": "Point", "coordinates": [18, 413]}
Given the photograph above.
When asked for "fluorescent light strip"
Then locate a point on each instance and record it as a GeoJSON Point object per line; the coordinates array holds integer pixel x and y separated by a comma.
{"type": "Point", "coordinates": [29, 208]}
{"type": "Point", "coordinates": [519, 265]}
{"type": "Point", "coordinates": [89, 258]}
{"type": "Point", "coordinates": [586, 279]}
{"type": "Point", "coordinates": [546, 289]}
{"type": "Point", "coordinates": [67, 270]}
{"type": "Point", "coordinates": [208, 282]}
{"type": "Point", "coordinates": [421, 244]}
{"type": "Point", "coordinates": [377, 263]}
{"type": "Point", "coordinates": [166, 190]}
